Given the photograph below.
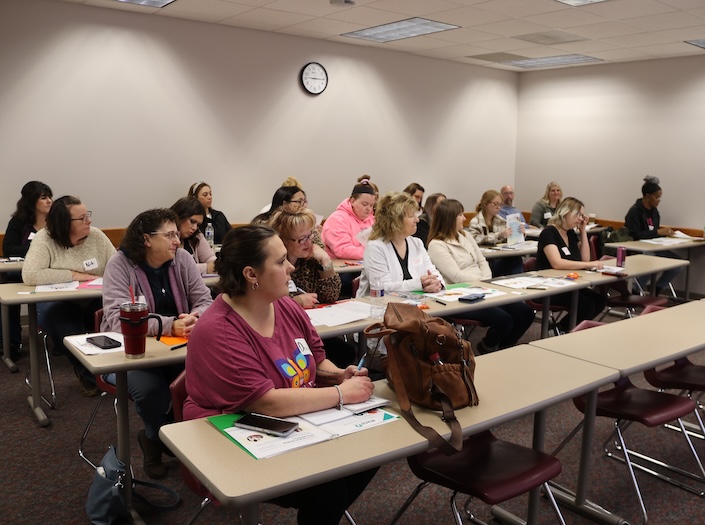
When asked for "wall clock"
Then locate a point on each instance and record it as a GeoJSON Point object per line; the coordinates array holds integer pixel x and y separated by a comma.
{"type": "Point", "coordinates": [314, 78]}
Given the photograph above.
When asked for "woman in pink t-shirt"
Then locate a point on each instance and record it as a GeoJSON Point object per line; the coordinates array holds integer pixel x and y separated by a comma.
{"type": "Point", "coordinates": [255, 350]}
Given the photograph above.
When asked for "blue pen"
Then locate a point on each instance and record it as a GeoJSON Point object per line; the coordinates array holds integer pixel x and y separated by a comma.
{"type": "Point", "coordinates": [361, 363]}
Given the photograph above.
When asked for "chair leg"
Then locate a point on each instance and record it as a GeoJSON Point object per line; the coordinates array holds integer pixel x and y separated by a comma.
{"type": "Point", "coordinates": [552, 499]}
{"type": "Point", "coordinates": [632, 475]}
{"type": "Point", "coordinates": [84, 436]}
{"type": "Point", "coordinates": [454, 508]}
{"type": "Point", "coordinates": [350, 519]}
{"type": "Point", "coordinates": [408, 501]}
{"type": "Point", "coordinates": [200, 509]}
{"type": "Point", "coordinates": [47, 358]}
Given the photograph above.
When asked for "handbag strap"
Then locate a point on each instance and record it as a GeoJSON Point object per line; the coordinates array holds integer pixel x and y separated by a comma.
{"type": "Point", "coordinates": [173, 496]}
{"type": "Point", "coordinates": [455, 444]}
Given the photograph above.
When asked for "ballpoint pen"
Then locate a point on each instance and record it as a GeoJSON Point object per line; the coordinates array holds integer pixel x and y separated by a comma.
{"type": "Point", "coordinates": [361, 363]}
{"type": "Point", "coordinates": [178, 346]}
{"type": "Point", "coordinates": [436, 300]}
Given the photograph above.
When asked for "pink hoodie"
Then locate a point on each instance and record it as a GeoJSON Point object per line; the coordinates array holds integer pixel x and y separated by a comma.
{"type": "Point", "coordinates": [340, 232]}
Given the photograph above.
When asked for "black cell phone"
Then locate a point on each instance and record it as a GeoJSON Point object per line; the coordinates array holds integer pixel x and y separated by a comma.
{"type": "Point", "coordinates": [472, 298]}
{"type": "Point", "coordinates": [103, 341]}
{"type": "Point", "coordinates": [273, 426]}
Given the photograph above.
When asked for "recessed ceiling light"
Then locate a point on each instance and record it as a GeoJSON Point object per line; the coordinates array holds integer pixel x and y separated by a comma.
{"type": "Point", "coordinates": [554, 61]}
{"type": "Point", "coordinates": [401, 29]}
{"type": "Point", "coordinates": [148, 3]}
{"type": "Point", "coordinates": [578, 3]}
{"type": "Point", "coordinates": [700, 42]}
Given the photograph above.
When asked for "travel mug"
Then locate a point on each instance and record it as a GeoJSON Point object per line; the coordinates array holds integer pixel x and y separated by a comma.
{"type": "Point", "coordinates": [133, 324]}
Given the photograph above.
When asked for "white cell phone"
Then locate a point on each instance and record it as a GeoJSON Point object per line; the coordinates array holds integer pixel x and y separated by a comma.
{"type": "Point", "coordinates": [273, 426]}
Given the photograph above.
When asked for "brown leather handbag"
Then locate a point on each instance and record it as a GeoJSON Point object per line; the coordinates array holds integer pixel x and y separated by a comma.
{"type": "Point", "coordinates": [429, 364]}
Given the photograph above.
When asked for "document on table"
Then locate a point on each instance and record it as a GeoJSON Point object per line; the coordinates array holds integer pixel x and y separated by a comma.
{"type": "Point", "coordinates": [541, 283]}
{"type": "Point", "coordinates": [58, 287]}
{"type": "Point", "coordinates": [80, 342]}
{"type": "Point", "coordinates": [260, 445]}
{"type": "Point", "coordinates": [339, 313]}
{"type": "Point", "coordinates": [616, 270]}
{"type": "Point", "coordinates": [329, 415]}
{"type": "Point", "coordinates": [95, 283]}
{"type": "Point", "coordinates": [668, 241]}
{"type": "Point", "coordinates": [455, 294]}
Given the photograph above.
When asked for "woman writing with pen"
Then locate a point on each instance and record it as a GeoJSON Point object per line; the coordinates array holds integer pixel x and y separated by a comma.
{"type": "Point", "coordinates": [313, 279]}
{"type": "Point", "coordinates": [255, 350]}
{"type": "Point", "coordinates": [150, 264]}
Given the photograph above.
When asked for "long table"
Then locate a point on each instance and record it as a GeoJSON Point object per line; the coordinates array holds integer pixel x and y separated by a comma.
{"type": "Point", "coordinates": [628, 346]}
{"type": "Point", "coordinates": [544, 378]}
{"type": "Point", "coordinates": [19, 294]}
{"type": "Point", "coordinates": [649, 247]}
{"type": "Point", "coordinates": [5, 268]}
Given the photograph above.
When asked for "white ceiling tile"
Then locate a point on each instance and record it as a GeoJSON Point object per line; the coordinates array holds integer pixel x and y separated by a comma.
{"type": "Point", "coordinates": [271, 17]}
{"type": "Point", "coordinates": [684, 4]}
{"type": "Point", "coordinates": [452, 52]}
{"type": "Point", "coordinates": [621, 55]}
{"type": "Point", "coordinates": [416, 43]}
{"type": "Point", "coordinates": [605, 30]}
{"type": "Point", "coordinates": [513, 28]}
{"type": "Point", "coordinates": [619, 9]}
{"type": "Point", "coordinates": [586, 46]}
{"type": "Point", "coordinates": [307, 7]}
{"type": "Point", "coordinates": [566, 18]}
{"type": "Point", "coordinates": [673, 20]}
{"type": "Point", "coordinates": [469, 17]}
{"type": "Point", "coordinates": [208, 9]}
{"type": "Point", "coordinates": [414, 7]}
{"type": "Point", "coordinates": [521, 8]}
{"type": "Point", "coordinates": [685, 33]}
{"type": "Point", "coordinates": [504, 44]}
{"type": "Point", "coordinates": [637, 40]}
{"type": "Point", "coordinates": [464, 36]}
{"type": "Point", "coordinates": [367, 16]}
{"type": "Point", "coordinates": [324, 26]}
{"type": "Point", "coordinates": [672, 50]}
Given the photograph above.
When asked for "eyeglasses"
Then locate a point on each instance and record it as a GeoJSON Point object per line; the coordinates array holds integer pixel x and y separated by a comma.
{"type": "Point", "coordinates": [300, 202]}
{"type": "Point", "coordinates": [171, 235]}
{"type": "Point", "coordinates": [303, 240]}
{"type": "Point", "coordinates": [85, 219]}
{"type": "Point", "coordinates": [496, 204]}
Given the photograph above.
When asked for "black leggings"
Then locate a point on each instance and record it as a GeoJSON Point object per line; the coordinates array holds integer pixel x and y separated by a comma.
{"type": "Point", "coordinates": [326, 503]}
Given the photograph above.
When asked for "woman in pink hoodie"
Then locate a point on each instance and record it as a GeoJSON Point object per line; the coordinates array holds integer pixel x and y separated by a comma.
{"type": "Point", "coordinates": [341, 231]}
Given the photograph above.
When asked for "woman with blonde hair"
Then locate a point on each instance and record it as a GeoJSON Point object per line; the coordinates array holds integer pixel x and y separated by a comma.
{"type": "Point", "coordinates": [546, 206]}
{"type": "Point", "coordinates": [488, 228]}
{"type": "Point", "coordinates": [561, 248]}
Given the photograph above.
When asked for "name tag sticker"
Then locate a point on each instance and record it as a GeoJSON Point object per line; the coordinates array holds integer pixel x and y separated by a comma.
{"type": "Point", "coordinates": [90, 264]}
{"type": "Point", "coordinates": [292, 286]}
{"type": "Point", "coordinates": [302, 345]}
{"type": "Point", "coordinates": [565, 250]}
{"type": "Point", "coordinates": [547, 215]}
{"type": "Point", "coordinates": [31, 236]}
{"type": "Point", "coordinates": [651, 227]}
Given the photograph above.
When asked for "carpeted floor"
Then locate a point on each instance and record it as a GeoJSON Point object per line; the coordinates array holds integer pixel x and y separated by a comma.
{"type": "Point", "coordinates": [43, 480]}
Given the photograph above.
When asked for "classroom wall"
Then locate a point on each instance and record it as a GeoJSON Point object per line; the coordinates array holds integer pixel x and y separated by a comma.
{"type": "Point", "coordinates": [599, 130]}
{"type": "Point", "coordinates": [128, 110]}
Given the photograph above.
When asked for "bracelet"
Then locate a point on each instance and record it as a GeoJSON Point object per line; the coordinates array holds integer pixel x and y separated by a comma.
{"type": "Point", "coordinates": [327, 267]}
{"type": "Point", "coordinates": [340, 397]}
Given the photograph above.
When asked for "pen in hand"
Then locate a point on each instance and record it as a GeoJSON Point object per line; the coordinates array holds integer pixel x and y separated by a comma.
{"type": "Point", "coordinates": [361, 363]}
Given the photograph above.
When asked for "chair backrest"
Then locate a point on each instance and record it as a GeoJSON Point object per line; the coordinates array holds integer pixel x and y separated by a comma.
{"type": "Point", "coordinates": [652, 308]}
{"type": "Point", "coordinates": [594, 241]}
{"type": "Point", "coordinates": [530, 264]}
{"type": "Point", "coordinates": [97, 319]}
{"type": "Point", "coordinates": [178, 395]}
{"type": "Point", "coordinates": [355, 285]}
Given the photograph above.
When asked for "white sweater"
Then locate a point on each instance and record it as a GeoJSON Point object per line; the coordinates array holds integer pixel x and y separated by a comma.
{"type": "Point", "coordinates": [459, 261]}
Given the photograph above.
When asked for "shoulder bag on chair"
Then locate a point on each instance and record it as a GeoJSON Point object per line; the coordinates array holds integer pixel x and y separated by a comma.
{"type": "Point", "coordinates": [417, 344]}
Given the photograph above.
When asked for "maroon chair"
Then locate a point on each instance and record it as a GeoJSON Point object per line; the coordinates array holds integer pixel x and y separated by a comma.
{"type": "Point", "coordinates": [487, 468]}
{"type": "Point", "coordinates": [627, 404]}
{"type": "Point", "coordinates": [683, 375]}
{"type": "Point", "coordinates": [555, 312]}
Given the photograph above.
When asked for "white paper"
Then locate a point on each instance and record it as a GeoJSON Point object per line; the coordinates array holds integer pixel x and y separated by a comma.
{"type": "Point", "coordinates": [666, 241]}
{"type": "Point", "coordinates": [59, 287]}
{"type": "Point", "coordinates": [340, 313]}
{"type": "Point", "coordinates": [262, 445]}
{"type": "Point", "coordinates": [455, 294]}
{"type": "Point", "coordinates": [514, 222]}
{"type": "Point", "coordinates": [79, 341]}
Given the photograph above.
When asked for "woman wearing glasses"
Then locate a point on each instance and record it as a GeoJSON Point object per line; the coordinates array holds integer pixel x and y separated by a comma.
{"type": "Point", "coordinates": [561, 248]}
{"type": "Point", "coordinates": [68, 249]}
{"type": "Point", "coordinates": [190, 214]}
{"type": "Point", "coordinates": [488, 228]}
{"type": "Point", "coordinates": [290, 198]}
{"type": "Point", "coordinates": [152, 264]}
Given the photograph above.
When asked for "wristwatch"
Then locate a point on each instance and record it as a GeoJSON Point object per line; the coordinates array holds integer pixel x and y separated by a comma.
{"type": "Point", "coordinates": [327, 267]}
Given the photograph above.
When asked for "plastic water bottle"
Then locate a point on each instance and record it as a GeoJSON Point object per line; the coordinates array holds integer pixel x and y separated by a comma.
{"type": "Point", "coordinates": [377, 299]}
{"type": "Point", "coordinates": [210, 234]}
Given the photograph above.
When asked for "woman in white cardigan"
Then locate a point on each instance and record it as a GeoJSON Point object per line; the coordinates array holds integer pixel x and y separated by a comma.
{"type": "Point", "coordinates": [457, 256]}
{"type": "Point", "coordinates": [395, 259]}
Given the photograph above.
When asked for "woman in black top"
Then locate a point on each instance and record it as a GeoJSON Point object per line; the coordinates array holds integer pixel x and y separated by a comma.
{"type": "Point", "coordinates": [561, 248]}
{"type": "Point", "coordinates": [202, 191]}
{"type": "Point", "coordinates": [29, 217]}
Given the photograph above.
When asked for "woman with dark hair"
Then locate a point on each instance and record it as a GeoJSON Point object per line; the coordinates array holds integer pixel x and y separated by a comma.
{"type": "Point", "coordinates": [643, 221]}
{"type": "Point", "coordinates": [290, 198]}
{"type": "Point", "coordinates": [561, 248]}
{"type": "Point", "coordinates": [238, 348]}
{"type": "Point", "coordinates": [426, 218]}
{"type": "Point", "coordinates": [165, 277]}
{"type": "Point", "coordinates": [189, 217]}
{"type": "Point", "coordinates": [29, 217]}
{"type": "Point", "coordinates": [202, 191]}
{"type": "Point", "coordinates": [459, 259]}
{"type": "Point", "coordinates": [416, 191]}
{"type": "Point", "coordinates": [68, 249]}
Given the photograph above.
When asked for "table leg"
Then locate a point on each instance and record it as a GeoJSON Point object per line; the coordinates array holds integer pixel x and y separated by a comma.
{"type": "Point", "coordinates": [578, 501]}
{"type": "Point", "coordinates": [6, 354]}
{"type": "Point", "coordinates": [35, 359]}
{"type": "Point", "coordinates": [573, 314]}
{"type": "Point", "coordinates": [687, 277]}
{"type": "Point", "coordinates": [545, 315]}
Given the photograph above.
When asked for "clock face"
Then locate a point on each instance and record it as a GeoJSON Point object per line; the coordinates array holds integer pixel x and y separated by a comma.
{"type": "Point", "coordinates": [314, 78]}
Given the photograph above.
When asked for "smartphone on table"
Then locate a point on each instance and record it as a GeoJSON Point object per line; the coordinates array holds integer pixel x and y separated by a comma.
{"type": "Point", "coordinates": [273, 426]}
{"type": "Point", "coordinates": [103, 341]}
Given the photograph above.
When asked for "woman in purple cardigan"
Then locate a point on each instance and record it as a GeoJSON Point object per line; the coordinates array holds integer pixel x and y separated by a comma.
{"type": "Point", "coordinates": [152, 264]}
